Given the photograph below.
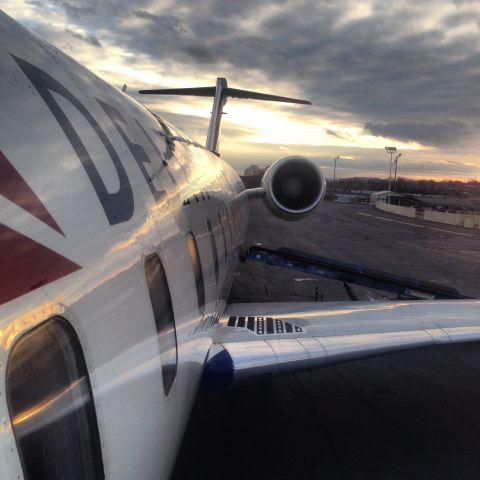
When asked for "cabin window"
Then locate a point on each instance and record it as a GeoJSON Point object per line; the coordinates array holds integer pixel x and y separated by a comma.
{"type": "Point", "coordinates": [51, 406]}
{"type": "Point", "coordinates": [164, 318]}
{"type": "Point", "coordinates": [197, 270]}
{"type": "Point", "coordinates": [229, 223]}
{"type": "Point", "coordinates": [222, 230]}
{"type": "Point", "coordinates": [232, 211]}
{"type": "Point", "coordinates": [214, 249]}
{"type": "Point", "coordinates": [235, 215]}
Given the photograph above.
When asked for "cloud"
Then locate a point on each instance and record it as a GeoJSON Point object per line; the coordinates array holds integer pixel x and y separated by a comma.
{"type": "Point", "coordinates": [162, 23]}
{"type": "Point", "coordinates": [78, 11]}
{"type": "Point", "coordinates": [91, 39]}
{"type": "Point", "coordinates": [384, 67]}
{"type": "Point", "coordinates": [146, 15]}
{"type": "Point", "coordinates": [368, 62]}
{"type": "Point", "coordinates": [338, 134]}
{"type": "Point", "coordinates": [460, 19]}
{"type": "Point", "coordinates": [407, 70]}
{"type": "Point", "coordinates": [199, 53]}
{"type": "Point", "coordinates": [439, 133]}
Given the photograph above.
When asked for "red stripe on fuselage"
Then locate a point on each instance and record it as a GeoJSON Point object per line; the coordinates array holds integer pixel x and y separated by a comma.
{"type": "Point", "coordinates": [14, 187]}
{"type": "Point", "coordinates": [25, 265]}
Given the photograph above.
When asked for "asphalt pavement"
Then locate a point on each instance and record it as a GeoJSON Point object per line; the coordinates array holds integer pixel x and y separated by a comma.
{"type": "Point", "coordinates": [406, 415]}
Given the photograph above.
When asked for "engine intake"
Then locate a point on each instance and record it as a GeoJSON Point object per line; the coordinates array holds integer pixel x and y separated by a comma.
{"type": "Point", "coordinates": [293, 187]}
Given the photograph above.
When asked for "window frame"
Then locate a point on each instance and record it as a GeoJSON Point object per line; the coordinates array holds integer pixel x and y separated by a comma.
{"type": "Point", "coordinates": [224, 236]}
{"type": "Point", "coordinates": [229, 223]}
{"type": "Point", "coordinates": [197, 270]}
{"type": "Point", "coordinates": [61, 334]}
{"type": "Point", "coordinates": [161, 302]}
{"type": "Point", "coordinates": [213, 246]}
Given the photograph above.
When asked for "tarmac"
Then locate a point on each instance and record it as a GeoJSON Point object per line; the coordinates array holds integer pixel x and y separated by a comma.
{"type": "Point", "coordinates": [406, 415]}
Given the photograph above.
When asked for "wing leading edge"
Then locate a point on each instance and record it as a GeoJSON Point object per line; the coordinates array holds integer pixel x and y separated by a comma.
{"type": "Point", "coordinates": [268, 339]}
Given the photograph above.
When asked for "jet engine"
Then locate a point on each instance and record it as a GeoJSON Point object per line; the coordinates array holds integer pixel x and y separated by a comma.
{"type": "Point", "coordinates": [293, 187]}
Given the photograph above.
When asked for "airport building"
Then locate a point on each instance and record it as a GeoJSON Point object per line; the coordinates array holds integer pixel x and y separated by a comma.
{"type": "Point", "coordinates": [383, 196]}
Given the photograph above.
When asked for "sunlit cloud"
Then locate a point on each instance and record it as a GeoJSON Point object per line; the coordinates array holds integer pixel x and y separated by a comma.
{"type": "Point", "coordinates": [403, 73]}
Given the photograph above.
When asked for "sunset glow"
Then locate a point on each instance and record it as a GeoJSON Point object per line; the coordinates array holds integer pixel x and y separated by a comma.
{"type": "Point", "coordinates": [414, 87]}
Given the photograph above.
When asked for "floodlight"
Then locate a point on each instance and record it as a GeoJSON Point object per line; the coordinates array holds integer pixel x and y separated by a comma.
{"type": "Point", "coordinates": [391, 151]}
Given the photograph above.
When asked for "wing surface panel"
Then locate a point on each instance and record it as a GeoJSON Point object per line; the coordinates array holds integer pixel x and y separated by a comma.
{"type": "Point", "coordinates": [268, 339]}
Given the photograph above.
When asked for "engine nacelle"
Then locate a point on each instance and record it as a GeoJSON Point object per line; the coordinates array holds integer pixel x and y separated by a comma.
{"type": "Point", "coordinates": [293, 187]}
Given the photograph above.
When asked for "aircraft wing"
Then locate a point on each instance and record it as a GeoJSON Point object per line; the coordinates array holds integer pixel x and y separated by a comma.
{"type": "Point", "coordinates": [268, 339]}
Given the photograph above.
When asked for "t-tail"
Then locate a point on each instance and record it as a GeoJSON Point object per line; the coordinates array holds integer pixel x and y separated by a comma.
{"type": "Point", "coordinates": [220, 93]}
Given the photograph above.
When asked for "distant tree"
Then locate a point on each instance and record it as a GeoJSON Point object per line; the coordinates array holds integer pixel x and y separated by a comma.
{"type": "Point", "coordinates": [453, 188]}
{"type": "Point", "coordinates": [252, 170]}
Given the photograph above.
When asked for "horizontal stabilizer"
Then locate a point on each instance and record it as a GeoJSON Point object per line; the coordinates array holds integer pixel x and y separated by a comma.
{"type": "Point", "coordinates": [236, 93]}
{"type": "Point", "coordinates": [220, 94]}
{"type": "Point", "coordinates": [196, 91]}
{"type": "Point", "coordinates": [226, 92]}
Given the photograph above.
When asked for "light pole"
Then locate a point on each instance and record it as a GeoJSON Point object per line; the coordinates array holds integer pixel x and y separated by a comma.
{"type": "Point", "coordinates": [391, 151]}
{"type": "Point", "coordinates": [396, 165]}
{"type": "Point", "coordinates": [335, 174]}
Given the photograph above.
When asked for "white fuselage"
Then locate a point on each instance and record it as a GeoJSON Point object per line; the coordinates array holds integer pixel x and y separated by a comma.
{"type": "Point", "coordinates": [101, 195]}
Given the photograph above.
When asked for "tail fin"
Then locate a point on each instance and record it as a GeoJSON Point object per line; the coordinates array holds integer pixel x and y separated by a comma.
{"type": "Point", "coordinates": [220, 93]}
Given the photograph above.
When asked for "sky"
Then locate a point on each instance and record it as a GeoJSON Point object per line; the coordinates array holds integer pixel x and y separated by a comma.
{"type": "Point", "coordinates": [379, 73]}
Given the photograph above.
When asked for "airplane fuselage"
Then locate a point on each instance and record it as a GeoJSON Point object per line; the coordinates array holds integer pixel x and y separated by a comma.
{"type": "Point", "coordinates": [119, 237]}
{"type": "Point", "coordinates": [92, 187]}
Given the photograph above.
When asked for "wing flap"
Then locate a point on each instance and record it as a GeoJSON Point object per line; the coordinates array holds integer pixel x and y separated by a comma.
{"type": "Point", "coordinates": [326, 334]}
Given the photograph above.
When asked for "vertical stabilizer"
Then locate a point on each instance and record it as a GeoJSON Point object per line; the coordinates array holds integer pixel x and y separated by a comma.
{"type": "Point", "coordinates": [213, 135]}
{"type": "Point", "coordinates": [220, 93]}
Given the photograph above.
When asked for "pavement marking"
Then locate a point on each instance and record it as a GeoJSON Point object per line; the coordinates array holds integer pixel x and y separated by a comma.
{"type": "Point", "coordinates": [418, 226]}
{"type": "Point", "coordinates": [469, 256]}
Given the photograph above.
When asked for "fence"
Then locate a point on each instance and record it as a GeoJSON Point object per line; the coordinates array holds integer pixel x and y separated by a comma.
{"type": "Point", "coordinates": [466, 220]}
